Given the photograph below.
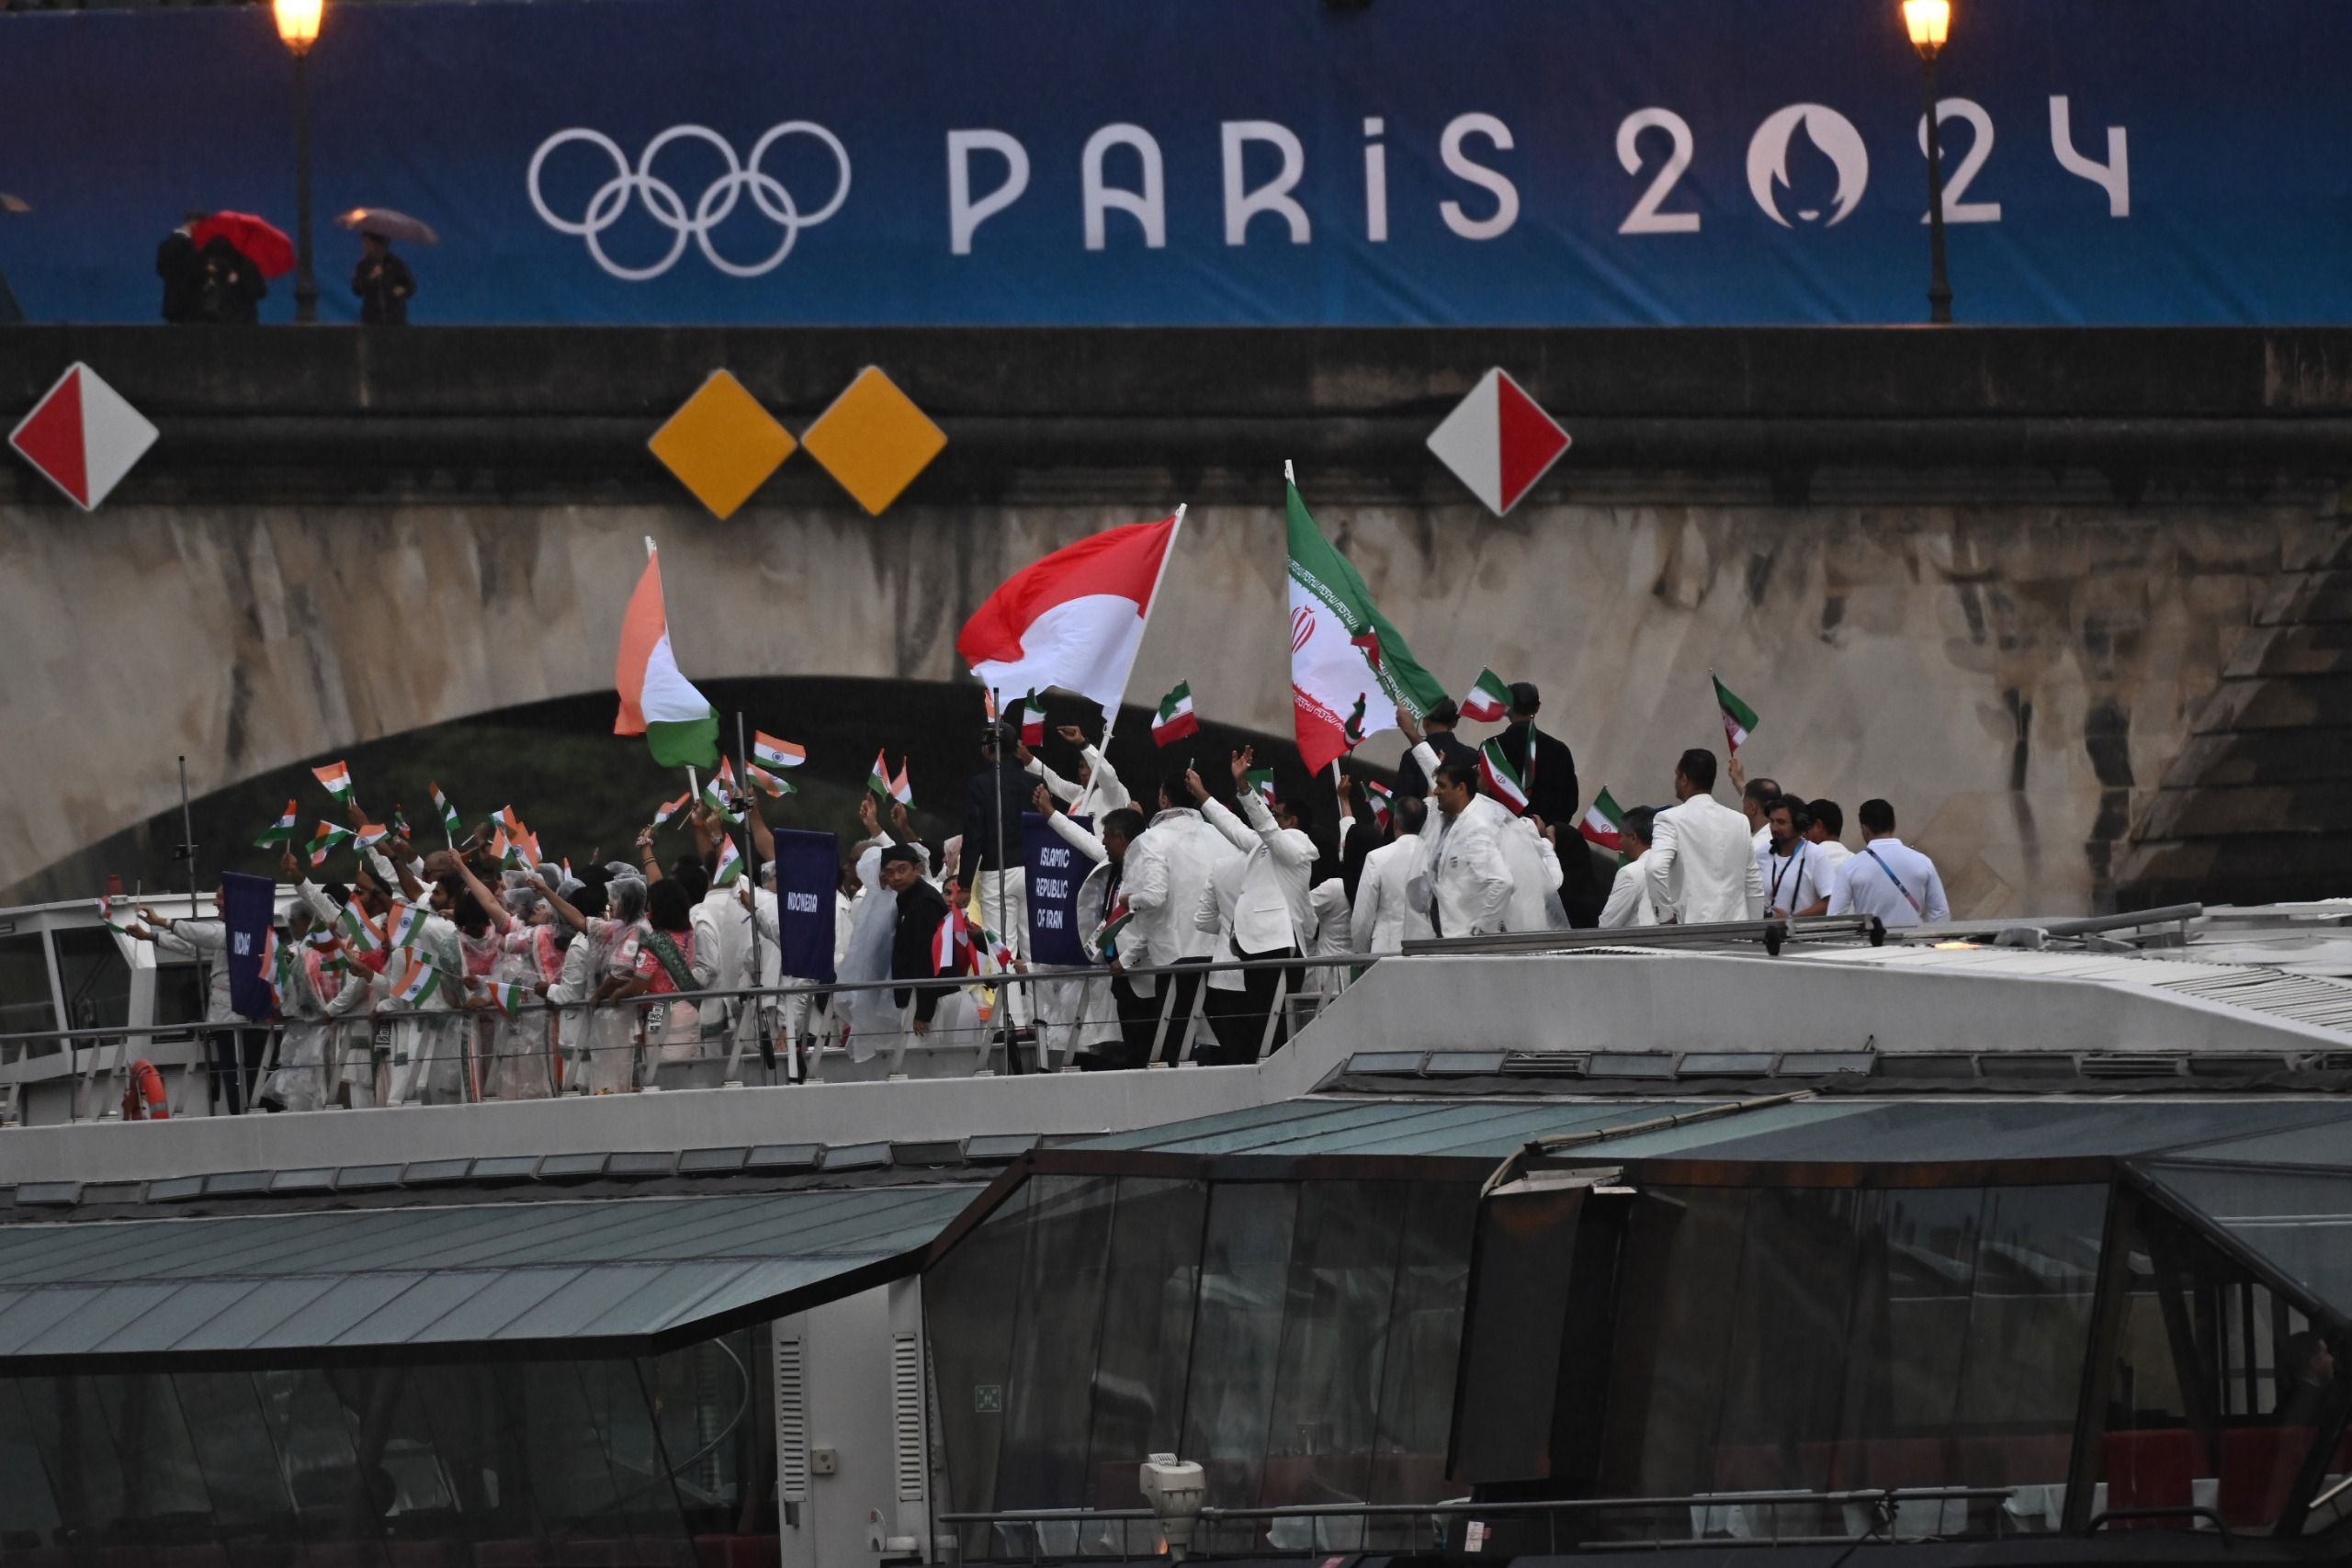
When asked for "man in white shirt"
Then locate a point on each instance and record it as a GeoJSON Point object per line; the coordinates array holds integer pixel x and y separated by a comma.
{"type": "Point", "coordinates": [1796, 873]}
{"type": "Point", "coordinates": [1888, 878]}
{"type": "Point", "coordinates": [1702, 859]}
{"type": "Point", "coordinates": [1461, 879]}
{"type": "Point", "coordinates": [1828, 826]}
{"type": "Point", "coordinates": [1755, 798]}
{"type": "Point", "coordinates": [1272, 912]}
{"type": "Point", "coordinates": [1097, 790]}
{"type": "Point", "coordinates": [1167, 868]}
{"type": "Point", "coordinates": [1629, 894]}
{"type": "Point", "coordinates": [1383, 918]}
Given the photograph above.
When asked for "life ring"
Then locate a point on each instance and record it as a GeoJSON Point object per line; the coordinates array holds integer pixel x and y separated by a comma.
{"type": "Point", "coordinates": [142, 1098]}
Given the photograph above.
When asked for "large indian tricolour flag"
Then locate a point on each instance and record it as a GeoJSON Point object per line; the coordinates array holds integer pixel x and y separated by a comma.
{"type": "Point", "coordinates": [680, 727]}
{"type": "Point", "coordinates": [1349, 665]}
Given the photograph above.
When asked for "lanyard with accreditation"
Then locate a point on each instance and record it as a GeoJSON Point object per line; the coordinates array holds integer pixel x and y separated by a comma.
{"type": "Point", "coordinates": [1897, 881]}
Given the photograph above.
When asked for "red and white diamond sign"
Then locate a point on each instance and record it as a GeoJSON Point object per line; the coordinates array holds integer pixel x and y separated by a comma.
{"type": "Point", "coordinates": [1498, 441]}
{"type": "Point", "coordinates": [82, 436]}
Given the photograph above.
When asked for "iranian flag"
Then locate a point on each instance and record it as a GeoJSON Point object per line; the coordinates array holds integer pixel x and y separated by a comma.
{"type": "Point", "coordinates": [1175, 718]}
{"type": "Point", "coordinates": [680, 727]}
{"type": "Point", "coordinates": [1074, 619]}
{"type": "Point", "coordinates": [1489, 700]}
{"type": "Point", "coordinates": [1032, 722]}
{"type": "Point", "coordinates": [451, 825]}
{"type": "Point", "coordinates": [1380, 798]}
{"type": "Point", "coordinates": [1349, 666]}
{"type": "Point", "coordinates": [280, 832]}
{"type": "Point", "coordinates": [770, 752]}
{"type": "Point", "coordinates": [1121, 919]}
{"type": "Point", "coordinates": [1603, 821]}
{"type": "Point", "coordinates": [337, 778]}
{"type": "Point", "coordinates": [106, 917]}
{"type": "Point", "coordinates": [1502, 778]}
{"type": "Point", "coordinates": [1263, 781]}
{"type": "Point", "coordinates": [1739, 719]}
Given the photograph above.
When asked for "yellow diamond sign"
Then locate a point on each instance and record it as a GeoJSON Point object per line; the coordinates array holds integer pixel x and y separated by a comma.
{"type": "Point", "coordinates": [721, 444]}
{"type": "Point", "coordinates": [874, 440]}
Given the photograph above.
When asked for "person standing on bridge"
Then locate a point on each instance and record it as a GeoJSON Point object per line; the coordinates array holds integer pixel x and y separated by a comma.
{"type": "Point", "coordinates": [383, 283]}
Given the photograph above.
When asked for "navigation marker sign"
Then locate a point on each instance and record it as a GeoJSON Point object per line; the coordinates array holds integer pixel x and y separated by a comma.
{"type": "Point", "coordinates": [1499, 442]}
{"type": "Point", "coordinates": [82, 436]}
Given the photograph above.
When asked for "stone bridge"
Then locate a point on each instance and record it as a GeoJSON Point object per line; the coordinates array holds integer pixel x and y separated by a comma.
{"type": "Point", "coordinates": [1997, 577]}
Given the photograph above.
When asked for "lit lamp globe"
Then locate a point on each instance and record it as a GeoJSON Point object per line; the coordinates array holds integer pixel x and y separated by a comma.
{"type": "Point", "coordinates": [297, 23]}
{"type": "Point", "coordinates": [1928, 21]}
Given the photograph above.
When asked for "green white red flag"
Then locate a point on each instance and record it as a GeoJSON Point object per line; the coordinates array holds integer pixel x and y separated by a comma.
{"type": "Point", "coordinates": [281, 831]}
{"type": "Point", "coordinates": [1380, 798]}
{"type": "Point", "coordinates": [680, 727]}
{"type": "Point", "coordinates": [1121, 919]}
{"type": "Point", "coordinates": [337, 778]}
{"type": "Point", "coordinates": [1501, 780]}
{"type": "Point", "coordinates": [1603, 822]}
{"type": "Point", "coordinates": [1033, 721]}
{"type": "Point", "coordinates": [449, 823]}
{"type": "Point", "coordinates": [1263, 781]}
{"type": "Point", "coordinates": [1489, 699]}
{"type": "Point", "coordinates": [106, 916]}
{"type": "Point", "coordinates": [1175, 718]}
{"type": "Point", "coordinates": [1739, 719]}
{"type": "Point", "coordinates": [1350, 667]}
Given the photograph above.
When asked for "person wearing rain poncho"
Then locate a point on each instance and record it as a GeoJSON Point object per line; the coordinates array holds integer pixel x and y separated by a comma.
{"type": "Point", "coordinates": [598, 1056]}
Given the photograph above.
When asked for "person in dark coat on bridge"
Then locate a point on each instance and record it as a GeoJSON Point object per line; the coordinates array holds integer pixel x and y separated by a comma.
{"type": "Point", "coordinates": [233, 285]}
{"type": "Point", "coordinates": [182, 270]}
{"type": "Point", "coordinates": [383, 283]}
{"type": "Point", "coordinates": [1550, 779]}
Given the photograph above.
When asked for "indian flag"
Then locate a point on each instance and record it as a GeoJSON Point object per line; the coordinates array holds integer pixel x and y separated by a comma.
{"type": "Point", "coordinates": [714, 791]}
{"type": "Point", "coordinates": [324, 839]}
{"type": "Point", "coordinates": [1263, 781]}
{"type": "Point", "coordinates": [357, 932]}
{"type": "Point", "coordinates": [730, 865]}
{"type": "Point", "coordinates": [1603, 821]}
{"type": "Point", "coordinates": [1502, 778]}
{"type": "Point", "coordinates": [1121, 919]}
{"type": "Point", "coordinates": [337, 778]}
{"type": "Point", "coordinates": [1343, 651]}
{"type": "Point", "coordinates": [1489, 700]}
{"type": "Point", "coordinates": [775, 787]}
{"type": "Point", "coordinates": [373, 833]}
{"type": "Point", "coordinates": [768, 751]}
{"type": "Point", "coordinates": [671, 809]}
{"type": "Point", "coordinates": [1175, 718]}
{"type": "Point", "coordinates": [1739, 719]}
{"type": "Point", "coordinates": [403, 923]}
{"type": "Point", "coordinates": [449, 823]}
{"type": "Point", "coordinates": [417, 982]}
{"type": "Point", "coordinates": [269, 965]}
{"type": "Point", "coordinates": [900, 790]}
{"type": "Point", "coordinates": [1380, 797]}
{"type": "Point", "coordinates": [508, 998]}
{"type": "Point", "coordinates": [680, 727]}
{"type": "Point", "coordinates": [280, 832]}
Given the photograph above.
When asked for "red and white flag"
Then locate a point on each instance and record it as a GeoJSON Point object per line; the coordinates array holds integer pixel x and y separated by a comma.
{"type": "Point", "coordinates": [1074, 619]}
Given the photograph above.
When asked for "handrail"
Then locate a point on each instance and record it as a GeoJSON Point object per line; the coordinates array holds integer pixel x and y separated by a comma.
{"type": "Point", "coordinates": [1773, 933]}
{"type": "Point", "coordinates": [1496, 1509]}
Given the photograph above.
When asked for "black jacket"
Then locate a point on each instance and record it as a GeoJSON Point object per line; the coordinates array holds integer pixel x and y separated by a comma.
{"type": "Point", "coordinates": [233, 285]}
{"type": "Point", "coordinates": [383, 286]}
{"type": "Point", "coordinates": [980, 807]}
{"type": "Point", "coordinates": [913, 946]}
{"type": "Point", "coordinates": [1448, 749]}
{"type": "Point", "coordinates": [182, 271]}
{"type": "Point", "coordinates": [1552, 793]}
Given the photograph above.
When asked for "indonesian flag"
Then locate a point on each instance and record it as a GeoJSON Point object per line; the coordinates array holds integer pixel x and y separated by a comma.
{"type": "Point", "coordinates": [337, 778]}
{"type": "Point", "coordinates": [1074, 619]}
{"type": "Point", "coordinates": [1349, 665]}
{"type": "Point", "coordinates": [1033, 721]}
{"type": "Point", "coordinates": [768, 751]}
{"type": "Point", "coordinates": [1739, 719]}
{"type": "Point", "coordinates": [680, 727]}
{"type": "Point", "coordinates": [1489, 700]}
{"type": "Point", "coordinates": [1175, 718]}
{"type": "Point", "coordinates": [1603, 821]}
{"type": "Point", "coordinates": [280, 832]}
{"type": "Point", "coordinates": [1502, 778]}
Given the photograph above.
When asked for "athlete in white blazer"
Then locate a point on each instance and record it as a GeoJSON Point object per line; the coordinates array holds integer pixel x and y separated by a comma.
{"type": "Point", "coordinates": [1460, 879]}
{"type": "Point", "coordinates": [1385, 919]}
{"type": "Point", "coordinates": [1701, 863]}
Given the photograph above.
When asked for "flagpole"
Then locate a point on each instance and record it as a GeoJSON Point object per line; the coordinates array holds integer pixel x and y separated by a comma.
{"type": "Point", "coordinates": [751, 878]}
{"type": "Point", "coordinates": [1111, 720]}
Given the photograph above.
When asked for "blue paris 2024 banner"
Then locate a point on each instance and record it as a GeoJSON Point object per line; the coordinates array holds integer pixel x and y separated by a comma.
{"type": "Point", "coordinates": [1212, 162]}
{"type": "Point", "coordinates": [1055, 871]}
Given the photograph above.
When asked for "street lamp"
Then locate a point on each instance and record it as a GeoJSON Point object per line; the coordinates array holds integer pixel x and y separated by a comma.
{"type": "Point", "coordinates": [1929, 22]}
{"type": "Point", "coordinates": [298, 30]}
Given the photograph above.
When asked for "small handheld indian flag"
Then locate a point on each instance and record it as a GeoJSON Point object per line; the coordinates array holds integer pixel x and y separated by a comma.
{"type": "Point", "coordinates": [775, 787]}
{"type": "Point", "coordinates": [1121, 919]}
{"type": "Point", "coordinates": [327, 836]}
{"type": "Point", "coordinates": [900, 790]}
{"type": "Point", "coordinates": [1603, 822]}
{"type": "Point", "coordinates": [337, 778]}
{"type": "Point", "coordinates": [1500, 778]}
{"type": "Point", "coordinates": [714, 793]}
{"type": "Point", "coordinates": [399, 823]}
{"type": "Point", "coordinates": [1489, 700]}
{"type": "Point", "coordinates": [730, 865]}
{"type": "Point", "coordinates": [449, 823]}
{"type": "Point", "coordinates": [269, 965]}
{"type": "Point", "coordinates": [403, 923]}
{"type": "Point", "coordinates": [281, 831]}
{"type": "Point", "coordinates": [417, 982]}
{"type": "Point", "coordinates": [671, 809]}
{"type": "Point", "coordinates": [1380, 798]}
{"type": "Point", "coordinates": [1175, 718]}
{"type": "Point", "coordinates": [373, 834]}
{"type": "Point", "coordinates": [1263, 781]}
{"type": "Point", "coordinates": [357, 931]}
{"type": "Point", "coordinates": [1033, 721]}
{"type": "Point", "coordinates": [1739, 719]}
{"type": "Point", "coordinates": [770, 752]}
{"type": "Point", "coordinates": [878, 782]}
{"type": "Point", "coordinates": [508, 998]}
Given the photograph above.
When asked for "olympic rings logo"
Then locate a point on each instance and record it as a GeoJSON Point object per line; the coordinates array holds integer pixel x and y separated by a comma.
{"type": "Point", "coordinates": [668, 209]}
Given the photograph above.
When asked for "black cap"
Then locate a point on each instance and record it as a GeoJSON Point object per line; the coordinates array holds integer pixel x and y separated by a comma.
{"type": "Point", "coordinates": [996, 732]}
{"type": "Point", "coordinates": [1524, 697]}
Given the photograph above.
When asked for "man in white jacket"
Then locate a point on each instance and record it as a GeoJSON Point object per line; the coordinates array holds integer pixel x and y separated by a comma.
{"type": "Point", "coordinates": [1384, 918]}
{"type": "Point", "coordinates": [1097, 790]}
{"type": "Point", "coordinates": [1629, 894]}
{"type": "Point", "coordinates": [1460, 879]}
{"type": "Point", "coordinates": [1167, 868]}
{"type": "Point", "coordinates": [1702, 864]}
{"type": "Point", "coordinates": [1272, 914]}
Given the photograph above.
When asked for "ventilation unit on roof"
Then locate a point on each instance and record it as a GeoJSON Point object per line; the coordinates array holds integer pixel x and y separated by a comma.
{"type": "Point", "coordinates": [2131, 1065]}
{"type": "Point", "coordinates": [1547, 1064]}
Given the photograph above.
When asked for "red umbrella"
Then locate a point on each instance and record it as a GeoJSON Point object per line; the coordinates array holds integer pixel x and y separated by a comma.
{"type": "Point", "coordinates": [259, 241]}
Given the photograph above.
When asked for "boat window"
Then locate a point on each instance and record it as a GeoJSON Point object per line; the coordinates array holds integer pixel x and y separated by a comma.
{"type": "Point", "coordinates": [26, 1005]}
{"type": "Point", "coordinates": [96, 980]}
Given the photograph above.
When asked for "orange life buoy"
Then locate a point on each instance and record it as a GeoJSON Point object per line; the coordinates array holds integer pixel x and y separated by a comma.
{"type": "Point", "coordinates": [143, 1101]}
